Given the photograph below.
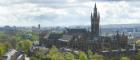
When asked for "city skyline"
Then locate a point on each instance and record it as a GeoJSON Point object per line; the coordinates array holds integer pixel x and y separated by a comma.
{"type": "Point", "coordinates": [67, 12]}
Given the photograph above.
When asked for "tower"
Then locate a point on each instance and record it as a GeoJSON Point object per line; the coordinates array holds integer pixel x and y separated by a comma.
{"type": "Point", "coordinates": [95, 19]}
{"type": "Point", "coordinates": [39, 26]}
{"type": "Point", "coordinates": [39, 36]}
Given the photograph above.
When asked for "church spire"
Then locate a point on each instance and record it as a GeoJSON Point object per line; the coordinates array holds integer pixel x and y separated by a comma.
{"type": "Point", "coordinates": [123, 34]}
{"type": "Point", "coordinates": [95, 10]}
{"type": "Point", "coordinates": [95, 20]}
{"type": "Point", "coordinates": [95, 6]}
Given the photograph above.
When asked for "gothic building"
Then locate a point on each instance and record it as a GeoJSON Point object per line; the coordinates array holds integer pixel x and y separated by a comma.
{"type": "Point", "coordinates": [83, 39]}
{"type": "Point", "coordinates": [95, 20]}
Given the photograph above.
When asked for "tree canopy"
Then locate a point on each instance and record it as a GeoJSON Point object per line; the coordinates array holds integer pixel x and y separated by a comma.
{"type": "Point", "coordinates": [124, 58]}
{"type": "Point", "coordinates": [97, 57]}
{"type": "Point", "coordinates": [69, 56]}
{"type": "Point", "coordinates": [83, 56]}
{"type": "Point", "coordinates": [138, 42]}
{"type": "Point", "coordinates": [24, 45]}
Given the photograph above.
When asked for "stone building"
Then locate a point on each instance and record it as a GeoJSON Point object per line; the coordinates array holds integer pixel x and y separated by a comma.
{"type": "Point", "coordinates": [12, 54]}
{"type": "Point", "coordinates": [83, 39]}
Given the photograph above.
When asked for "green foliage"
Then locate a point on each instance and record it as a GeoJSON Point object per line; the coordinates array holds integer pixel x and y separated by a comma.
{"type": "Point", "coordinates": [124, 58]}
{"type": "Point", "coordinates": [83, 56]}
{"type": "Point", "coordinates": [7, 45]}
{"type": "Point", "coordinates": [90, 54]}
{"type": "Point", "coordinates": [34, 36]}
{"type": "Point", "coordinates": [24, 45]}
{"type": "Point", "coordinates": [3, 35]}
{"type": "Point", "coordinates": [138, 56]}
{"type": "Point", "coordinates": [138, 42]}
{"type": "Point", "coordinates": [3, 48]}
{"type": "Point", "coordinates": [97, 57]}
{"type": "Point", "coordinates": [16, 38]}
{"type": "Point", "coordinates": [69, 56]}
{"type": "Point", "coordinates": [54, 54]}
{"type": "Point", "coordinates": [57, 56]}
{"type": "Point", "coordinates": [52, 51]}
{"type": "Point", "coordinates": [33, 58]}
{"type": "Point", "coordinates": [41, 53]}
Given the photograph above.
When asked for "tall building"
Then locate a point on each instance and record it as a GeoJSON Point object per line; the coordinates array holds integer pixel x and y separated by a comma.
{"type": "Point", "coordinates": [82, 39]}
{"type": "Point", "coordinates": [95, 19]}
{"type": "Point", "coordinates": [39, 26]}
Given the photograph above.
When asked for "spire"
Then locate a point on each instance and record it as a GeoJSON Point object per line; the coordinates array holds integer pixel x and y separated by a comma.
{"type": "Point", "coordinates": [95, 5]}
{"type": "Point", "coordinates": [117, 33]}
{"type": "Point", "coordinates": [38, 26]}
{"type": "Point", "coordinates": [95, 20]}
{"type": "Point", "coordinates": [95, 10]}
{"type": "Point", "coordinates": [123, 34]}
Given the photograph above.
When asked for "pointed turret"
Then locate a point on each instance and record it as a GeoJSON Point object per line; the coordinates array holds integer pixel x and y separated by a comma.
{"type": "Point", "coordinates": [117, 33]}
{"type": "Point", "coordinates": [123, 34]}
{"type": "Point", "coordinates": [95, 11]}
{"type": "Point", "coordinates": [95, 8]}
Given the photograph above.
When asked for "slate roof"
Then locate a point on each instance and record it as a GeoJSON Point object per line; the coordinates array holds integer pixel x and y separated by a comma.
{"type": "Point", "coordinates": [66, 38]}
{"type": "Point", "coordinates": [54, 36]}
{"type": "Point", "coordinates": [76, 30]}
{"type": "Point", "coordinates": [10, 52]}
{"type": "Point", "coordinates": [8, 55]}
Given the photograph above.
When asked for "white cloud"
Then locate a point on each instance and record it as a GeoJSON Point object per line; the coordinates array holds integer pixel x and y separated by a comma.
{"type": "Point", "coordinates": [70, 12]}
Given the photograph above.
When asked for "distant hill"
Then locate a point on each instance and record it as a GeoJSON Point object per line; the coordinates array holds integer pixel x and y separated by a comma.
{"type": "Point", "coordinates": [109, 26]}
{"type": "Point", "coordinates": [120, 26]}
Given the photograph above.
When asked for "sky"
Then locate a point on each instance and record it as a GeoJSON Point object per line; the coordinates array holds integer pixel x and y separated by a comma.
{"type": "Point", "coordinates": [67, 12]}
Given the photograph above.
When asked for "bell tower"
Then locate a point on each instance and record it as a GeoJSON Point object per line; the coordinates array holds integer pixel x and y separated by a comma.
{"type": "Point", "coordinates": [95, 19]}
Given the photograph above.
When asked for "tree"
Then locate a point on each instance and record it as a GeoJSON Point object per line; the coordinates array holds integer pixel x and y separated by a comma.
{"type": "Point", "coordinates": [90, 54]}
{"type": "Point", "coordinates": [24, 45]}
{"type": "Point", "coordinates": [124, 58]}
{"type": "Point", "coordinates": [7, 45]}
{"type": "Point", "coordinates": [54, 54]}
{"type": "Point", "coordinates": [3, 35]}
{"type": "Point", "coordinates": [138, 42]}
{"type": "Point", "coordinates": [1, 51]}
{"type": "Point", "coordinates": [69, 56]}
{"type": "Point", "coordinates": [41, 53]}
{"type": "Point", "coordinates": [57, 56]}
{"type": "Point", "coordinates": [33, 58]}
{"type": "Point", "coordinates": [52, 51]}
{"type": "Point", "coordinates": [34, 36]}
{"type": "Point", "coordinates": [138, 56]}
{"type": "Point", "coordinates": [97, 57]}
{"type": "Point", "coordinates": [3, 48]}
{"type": "Point", "coordinates": [83, 56]}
